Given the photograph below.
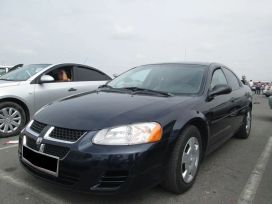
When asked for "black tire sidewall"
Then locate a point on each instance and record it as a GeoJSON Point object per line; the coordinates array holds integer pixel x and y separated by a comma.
{"type": "Point", "coordinates": [23, 118]}
{"type": "Point", "coordinates": [242, 133]}
{"type": "Point", "coordinates": [189, 132]}
{"type": "Point", "coordinates": [250, 122]}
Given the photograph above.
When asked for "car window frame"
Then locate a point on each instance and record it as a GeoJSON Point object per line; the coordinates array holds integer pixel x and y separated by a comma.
{"type": "Point", "coordinates": [36, 80]}
{"type": "Point", "coordinates": [61, 67]}
{"type": "Point", "coordinates": [239, 81]}
{"type": "Point", "coordinates": [214, 70]}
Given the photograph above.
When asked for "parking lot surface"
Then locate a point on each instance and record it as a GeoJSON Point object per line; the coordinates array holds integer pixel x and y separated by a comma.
{"type": "Point", "coordinates": [223, 177]}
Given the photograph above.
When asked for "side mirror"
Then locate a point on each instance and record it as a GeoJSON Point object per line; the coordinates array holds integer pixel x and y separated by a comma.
{"type": "Point", "coordinates": [220, 89]}
{"type": "Point", "coordinates": [46, 79]}
{"type": "Point", "coordinates": [115, 75]}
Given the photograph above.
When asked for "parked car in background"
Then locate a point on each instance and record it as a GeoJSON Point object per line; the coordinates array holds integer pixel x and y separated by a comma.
{"type": "Point", "coordinates": [25, 90]}
{"type": "Point", "coordinates": [151, 125]}
{"type": "Point", "coordinates": [267, 90]}
{"type": "Point", "coordinates": [4, 69]}
{"type": "Point", "coordinates": [270, 102]}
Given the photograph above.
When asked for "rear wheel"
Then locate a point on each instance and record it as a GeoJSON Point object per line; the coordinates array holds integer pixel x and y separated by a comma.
{"type": "Point", "coordinates": [12, 119]}
{"type": "Point", "coordinates": [245, 129]}
{"type": "Point", "coordinates": [184, 162]}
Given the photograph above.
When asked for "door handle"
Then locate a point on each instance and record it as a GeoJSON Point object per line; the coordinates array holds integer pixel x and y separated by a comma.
{"type": "Point", "coordinates": [72, 89]}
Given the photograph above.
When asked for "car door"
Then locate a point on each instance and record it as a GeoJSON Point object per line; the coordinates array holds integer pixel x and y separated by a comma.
{"type": "Point", "coordinates": [219, 110]}
{"type": "Point", "coordinates": [88, 79]}
{"type": "Point", "coordinates": [238, 98]}
{"type": "Point", "coordinates": [48, 92]}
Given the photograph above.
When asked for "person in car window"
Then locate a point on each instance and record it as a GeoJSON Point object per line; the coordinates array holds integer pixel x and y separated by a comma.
{"type": "Point", "coordinates": [63, 76]}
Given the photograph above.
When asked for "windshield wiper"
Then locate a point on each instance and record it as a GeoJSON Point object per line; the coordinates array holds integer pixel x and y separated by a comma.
{"type": "Point", "coordinates": [136, 90]}
{"type": "Point", "coordinates": [105, 86]}
{"type": "Point", "coordinates": [108, 88]}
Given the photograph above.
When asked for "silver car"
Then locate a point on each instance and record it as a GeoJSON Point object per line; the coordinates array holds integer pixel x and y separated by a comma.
{"type": "Point", "coordinates": [4, 69]}
{"type": "Point", "coordinates": [25, 90]}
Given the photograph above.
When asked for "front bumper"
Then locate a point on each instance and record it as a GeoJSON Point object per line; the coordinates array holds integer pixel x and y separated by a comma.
{"type": "Point", "coordinates": [101, 169]}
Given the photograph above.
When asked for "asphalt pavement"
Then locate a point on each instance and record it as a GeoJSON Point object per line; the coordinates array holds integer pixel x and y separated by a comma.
{"type": "Point", "coordinates": [223, 176]}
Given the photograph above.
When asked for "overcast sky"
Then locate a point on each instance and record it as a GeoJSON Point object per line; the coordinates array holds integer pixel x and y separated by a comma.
{"type": "Point", "coordinates": [115, 35]}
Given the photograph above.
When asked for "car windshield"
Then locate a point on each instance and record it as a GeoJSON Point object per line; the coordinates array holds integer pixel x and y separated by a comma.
{"type": "Point", "coordinates": [168, 78]}
{"type": "Point", "coordinates": [23, 73]}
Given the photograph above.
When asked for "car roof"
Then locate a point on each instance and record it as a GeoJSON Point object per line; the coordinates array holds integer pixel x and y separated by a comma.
{"type": "Point", "coordinates": [74, 64]}
{"type": "Point", "coordinates": [187, 63]}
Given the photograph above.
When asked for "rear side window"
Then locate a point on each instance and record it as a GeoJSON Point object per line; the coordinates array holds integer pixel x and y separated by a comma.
{"type": "Point", "coordinates": [218, 78]}
{"type": "Point", "coordinates": [86, 74]}
{"type": "Point", "coordinates": [232, 79]}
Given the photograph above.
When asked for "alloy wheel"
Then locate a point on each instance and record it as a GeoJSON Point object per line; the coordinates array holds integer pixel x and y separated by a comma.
{"type": "Point", "coordinates": [10, 120]}
{"type": "Point", "coordinates": [190, 160]}
{"type": "Point", "coordinates": [248, 122]}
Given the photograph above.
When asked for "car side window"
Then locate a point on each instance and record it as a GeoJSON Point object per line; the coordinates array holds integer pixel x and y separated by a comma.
{"type": "Point", "coordinates": [86, 74]}
{"type": "Point", "coordinates": [62, 74]}
{"type": "Point", "coordinates": [232, 79]}
{"type": "Point", "coordinates": [218, 78]}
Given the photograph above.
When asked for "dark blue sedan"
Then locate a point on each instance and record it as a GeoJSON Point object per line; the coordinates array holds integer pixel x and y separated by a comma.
{"type": "Point", "coordinates": [151, 125]}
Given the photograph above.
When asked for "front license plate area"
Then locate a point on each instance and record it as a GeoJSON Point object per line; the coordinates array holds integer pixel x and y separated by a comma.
{"type": "Point", "coordinates": [41, 161]}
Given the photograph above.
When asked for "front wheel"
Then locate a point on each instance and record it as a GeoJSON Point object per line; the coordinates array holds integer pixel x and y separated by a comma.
{"type": "Point", "coordinates": [12, 119]}
{"type": "Point", "coordinates": [184, 162]}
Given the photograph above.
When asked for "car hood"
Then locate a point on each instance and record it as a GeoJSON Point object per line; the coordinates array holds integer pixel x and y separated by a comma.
{"type": "Point", "coordinates": [4, 83]}
{"type": "Point", "coordinates": [98, 110]}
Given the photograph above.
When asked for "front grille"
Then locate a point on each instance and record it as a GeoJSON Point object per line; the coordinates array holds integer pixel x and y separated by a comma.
{"type": "Point", "coordinates": [57, 151]}
{"type": "Point", "coordinates": [50, 149]}
{"type": "Point", "coordinates": [37, 127]}
{"type": "Point", "coordinates": [111, 180]}
{"type": "Point", "coordinates": [66, 134]}
{"type": "Point", "coordinates": [31, 143]}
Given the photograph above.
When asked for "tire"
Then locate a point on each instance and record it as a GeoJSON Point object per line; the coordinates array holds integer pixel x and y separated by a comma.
{"type": "Point", "coordinates": [174, 180]}
{"type": "Point", "coordinates": [245, 129]}
{"type": "Point", "coordinates": [12, 119]}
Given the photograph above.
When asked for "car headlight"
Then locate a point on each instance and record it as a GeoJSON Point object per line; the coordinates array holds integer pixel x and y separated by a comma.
{"type": "Point", "coordinates": [129, 134]}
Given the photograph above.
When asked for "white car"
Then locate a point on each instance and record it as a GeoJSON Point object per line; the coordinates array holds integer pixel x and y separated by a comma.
{"type": "Point", "coordinates": [4, 69]}
{"type": "Point", "coordinates": [25, 90]}
{"type": "Point", "coordinates": [267, 91]}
